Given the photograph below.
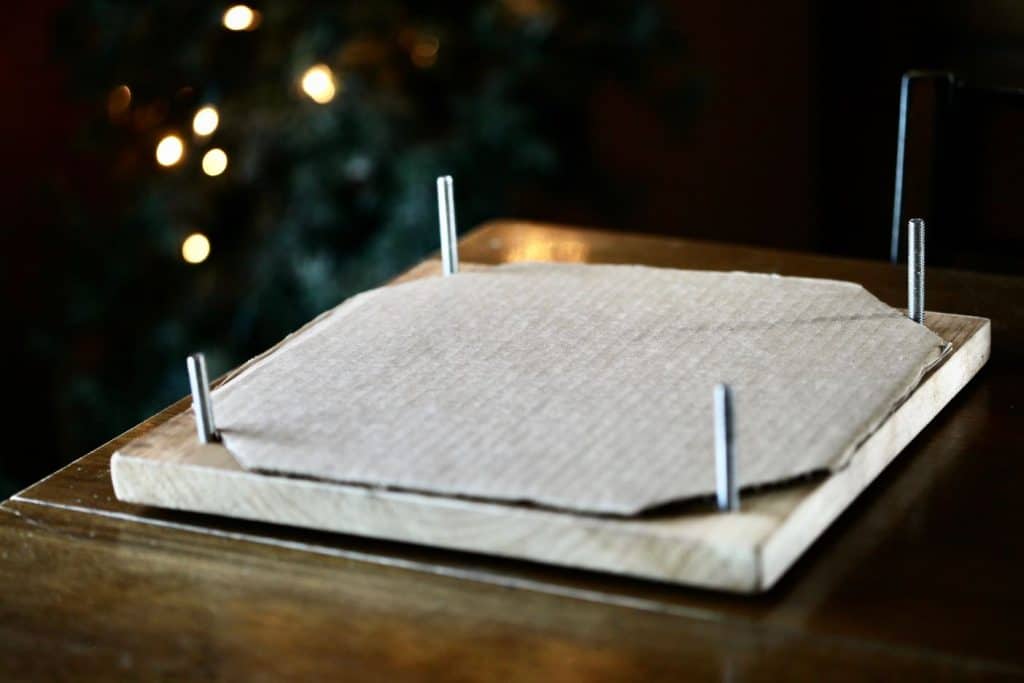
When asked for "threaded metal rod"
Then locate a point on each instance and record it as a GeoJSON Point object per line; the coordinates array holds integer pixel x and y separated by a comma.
{"type": "Point", "coordinates": [726, 484]}
{"type": "Point", "coordinates": [446, 219]}
{"type": "Point", "coordinates": [202, 404]}
{"type": "Point", "coordinates": [915, 270]}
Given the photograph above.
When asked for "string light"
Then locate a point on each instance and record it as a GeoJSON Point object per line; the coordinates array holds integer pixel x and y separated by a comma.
{"type": "Point", "coordinates": [318, 83]}
{"type": "Point", "coordinates": [205, 121]}
{"type": "Point", "coordinates": [195, 248]}
{"type": "Point", "coordinates": [118, 101]}
{"type": "Point", "coordinates": [215, 161]}
{"type": "Point", "coordinates": [240, 18]}
{"type": "Point", "coordinates": [424, 51]}
{"type": "Point", "coordinates": [170, 150]}
{"type": "Point", "coordinates": [528, 9]}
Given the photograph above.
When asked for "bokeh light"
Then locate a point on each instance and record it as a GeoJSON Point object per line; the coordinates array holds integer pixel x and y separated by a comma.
{"type": "Point", "coordinates": [318, 83]}
{"type": "Point", "coordinates": [195, 248]}
{"type": "Point", "coordinates": [205, 121]}
{"type": "Point", "coordinates": [215, 162]}
{"type": "Point", "coordinates": [240, 18]}
{"type": "Point", "coordinates": [118, 101]}
{"type": "Point", "coordinates": [170, 150]}
{"type": "Point", "coordinates": [424, 51]}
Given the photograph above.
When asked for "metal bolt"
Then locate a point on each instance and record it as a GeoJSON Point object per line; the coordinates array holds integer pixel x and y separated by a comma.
{"type": "Point", "coordinates": [726, 484]}
{"type": "Point", "coordinates": [202, 404]}
{"type": "Point", "coordinates": [915, 270]}
{"type": "Point", "coordinates": [446, 218]}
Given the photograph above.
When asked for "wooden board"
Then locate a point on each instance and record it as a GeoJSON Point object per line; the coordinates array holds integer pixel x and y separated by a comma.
{"type": "Point", "coordinates": [742, 552]}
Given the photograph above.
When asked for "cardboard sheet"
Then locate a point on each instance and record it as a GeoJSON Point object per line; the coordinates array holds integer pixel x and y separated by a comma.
{"type": "Point", "coordinates": [579, 387]}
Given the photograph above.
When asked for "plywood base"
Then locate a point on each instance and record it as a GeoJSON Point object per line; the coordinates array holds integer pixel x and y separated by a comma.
{"type": "Point", "coordinates": [743, 552]}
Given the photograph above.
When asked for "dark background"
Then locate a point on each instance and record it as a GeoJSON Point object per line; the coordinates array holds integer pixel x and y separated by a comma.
{"type": "Point", "coordinates": [789, 142]}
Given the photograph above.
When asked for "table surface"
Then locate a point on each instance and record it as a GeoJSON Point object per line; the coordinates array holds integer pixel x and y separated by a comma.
{"type": "Point", "coordinates": [921, 576]}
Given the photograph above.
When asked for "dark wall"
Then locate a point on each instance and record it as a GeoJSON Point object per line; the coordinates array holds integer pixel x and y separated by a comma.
{"type": "Point", "coordinates": [742, 171]}
{"type": "Point", "coordinates": [795, 143]}
{"type": "Point", "coordinates": [36, 122]}
{"type": "Point", "coordinates": [964, 164]}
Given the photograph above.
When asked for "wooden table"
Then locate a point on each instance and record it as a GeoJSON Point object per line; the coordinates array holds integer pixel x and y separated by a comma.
{"type": "Point", "coordinates": [922, 576]}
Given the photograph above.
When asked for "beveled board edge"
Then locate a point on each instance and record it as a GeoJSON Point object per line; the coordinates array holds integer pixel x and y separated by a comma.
{"type": "Point", "coordinates": [808, 520]}
{"type": "Point", "coordinates": [712, 547]}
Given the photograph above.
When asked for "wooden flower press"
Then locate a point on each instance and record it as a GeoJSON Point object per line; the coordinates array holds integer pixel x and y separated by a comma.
{"type": "Point", "coordinates": [743, 546]}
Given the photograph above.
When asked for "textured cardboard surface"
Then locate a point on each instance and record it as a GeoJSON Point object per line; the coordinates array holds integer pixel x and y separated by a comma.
{"type": "Point", "coordinates": [579, 387]}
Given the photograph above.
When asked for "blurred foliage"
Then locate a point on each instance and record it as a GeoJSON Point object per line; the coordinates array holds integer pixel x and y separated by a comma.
{"type": "Point", "coordinates": [318, 201]}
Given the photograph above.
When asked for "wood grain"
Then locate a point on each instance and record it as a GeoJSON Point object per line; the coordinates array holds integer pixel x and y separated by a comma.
{"type": "Point", "coordinates": [916, 580]}
{"type": "Point", "coordinates": [217, 608]}
{"type": "Point", "coordinates": [744, 552]}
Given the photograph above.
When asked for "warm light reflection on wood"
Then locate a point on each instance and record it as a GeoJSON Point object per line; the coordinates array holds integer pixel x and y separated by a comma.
{"type": "Point", "coordinates": [531, 245]}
